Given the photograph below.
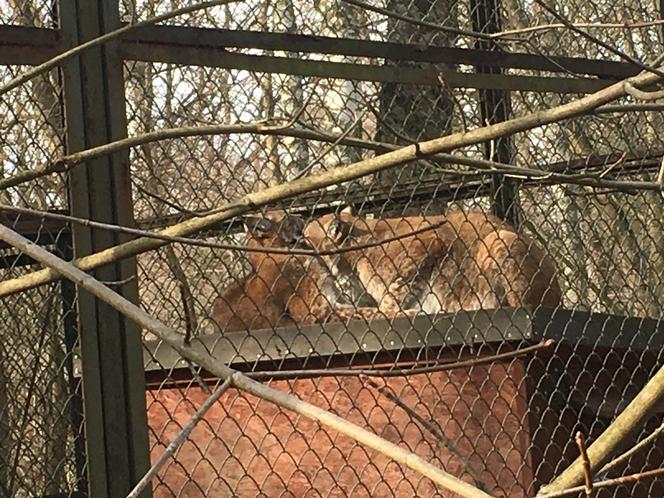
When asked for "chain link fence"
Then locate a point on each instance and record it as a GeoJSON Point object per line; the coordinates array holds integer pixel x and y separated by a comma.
{"type": "Point", "coordinates": [503, 364]}
{"type": "Point", "coordinates": [41, 418]}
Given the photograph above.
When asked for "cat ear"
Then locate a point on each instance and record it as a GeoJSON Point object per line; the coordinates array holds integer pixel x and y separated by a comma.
{"type": "Point", "coordinates": [299, 224]}
{"type": "Point", "coordinates": [258, 226]}
{"type": "Point", "coordinates": [348, 210]}
{"type": "Point", "coordinates": [292, 229]}
{"type": "Point", "coordinates": [338, 230]}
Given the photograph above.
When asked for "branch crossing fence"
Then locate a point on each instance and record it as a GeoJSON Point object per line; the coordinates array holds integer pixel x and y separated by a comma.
{"type": "Point", "coordinates": [476, 301]}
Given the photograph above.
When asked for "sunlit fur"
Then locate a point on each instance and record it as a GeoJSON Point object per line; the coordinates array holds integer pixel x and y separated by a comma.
{"type": "Point", "coordinates": [283, 288]}
{"type": "Point", "coordinates": [473, 260]}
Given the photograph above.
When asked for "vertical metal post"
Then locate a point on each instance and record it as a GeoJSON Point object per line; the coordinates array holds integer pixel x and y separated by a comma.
{"type": "Point", "coordinates": [661, 13]}
{"type": "Point", "coordinates": [111, 350]}
{"type": "Point", "coordinates": [495, 106]}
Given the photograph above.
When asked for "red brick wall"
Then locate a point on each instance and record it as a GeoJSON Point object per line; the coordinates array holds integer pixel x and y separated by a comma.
{"type": "Point", "coordinates": [247, 447]}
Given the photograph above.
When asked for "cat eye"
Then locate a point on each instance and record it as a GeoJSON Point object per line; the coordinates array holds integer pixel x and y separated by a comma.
{"type": "Point", "coordinates": [296, 225]}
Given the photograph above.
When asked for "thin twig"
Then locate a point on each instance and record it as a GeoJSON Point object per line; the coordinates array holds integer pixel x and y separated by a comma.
{"type": "Point", "coordinates": [67, 162]}
{"type": "Point", "coordinates": [492, 143]}
{"type": "Point", "coordinates": [428, 425]}
{"type": "Point", "coordinates": [188, 308]}
{"type": "Point", "coordinates": [205, 360]}
{"type": "Point", "coordinates": [31, 392]}
{"type": "Point", "coordinates": [179, 440]}
{"type": "Point", "coordinates": [218, 245]}
{"type": "Point", "coordinates": [597, 41]}
{"type": "Point", "coordinates": [613, 166]}
{"type": "Point", "coordinates": [632, 451]}
{"type": "Point", "coordinates": [418, 22]}
{"type": "Point", "coordinates": [595, 191]}
{"type": "Point", "coordinates": [622, 427]}
{"type": "Point", "coordinates": [163, 200]}
{"type": "Point", "coordinates": [298, 114]}
{"type": "Point", "coordinates": [587, 475]}
{"type": "Point", "coordinates": [454, 98]}
{"type": "Point", "coordinates": [382, 122]}
{"type": "Point", "coordinates": [398, 372]}
{"type": "Point", "coordinates": [506, 35]}
{"type": "Point", "coordinates": [58, 59]}
{"type": "Point", "coordinates": [608, 483]}
{"type": "Point", "coordinates": [490, 167]}
{"type": "Point", "coordinates": [660, 176]}
{"type": "Point", "coordinates": [329, 148]}
{"type": "Point", "coordinates": [627, 25]}
{"type": "Point", "coordinates": [119, 283]}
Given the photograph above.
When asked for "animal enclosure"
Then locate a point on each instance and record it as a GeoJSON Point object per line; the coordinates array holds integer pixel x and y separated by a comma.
{"type": "Point", "coordinates": [477, 300]}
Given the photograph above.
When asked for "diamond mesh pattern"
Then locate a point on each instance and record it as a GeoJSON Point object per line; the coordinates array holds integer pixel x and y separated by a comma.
{"type": "Point", "coordinates": [550, 323]}
{"type": "Point", "coordinates": [41, 428]}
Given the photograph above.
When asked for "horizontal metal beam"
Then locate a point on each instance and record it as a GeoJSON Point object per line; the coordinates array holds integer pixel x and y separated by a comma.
{"type": "Point", "coordinates": [39, 230]}
{"type": "Point", "coordinates": [356, 340]}
{"type": "Point", "coordinates": [628, 165]}
{"type": "Point", "coordinates": [599, 330]}
{"type": "Point", "coordinates": [319, 203]}
{"type": "Point", "coordinates": [176, 36]}
{"type": "Point", "coordinates": [359, 343]}
{"type": "Point", "coordinates": [24, 45]}
{"type": "Point", "coordinates": [21, 45]}
{"type": "Point", "coordinates": [214, 57]}
{"type": "Point", "coordinates": [29, 45]}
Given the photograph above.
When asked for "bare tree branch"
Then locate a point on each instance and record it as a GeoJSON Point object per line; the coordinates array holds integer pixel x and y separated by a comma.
{"type": "Point", "coordinates": [237, 379]}
{"type": "Point", "coordinates": [483, 166]}
{"type": "Point", "coordinates": [399, 372]}
{"type": "Point", "coordinates": [622, 108]}
{"type": "Point", "coordinates": [660, 176]}
{"type": "Point", "coordinates": [640, 94]}
{"type": "Point", "coordinates": [599, 453]}
{"type": "Point", "coordinates": [419, 22]}
{"type": "Point", "coordinates": [598, 42]}
{"type": "Point", "coordinates": [627, 25]}
{"type": "Point", "coordinates": [186, 295]}
{"type": "Point", "coordinates": [188, 308]}
{"type": "Point", "coordinates": [340, 175]}
{"type": "Point", "coordinates": [217, 245]}
{"type": "Point", "coordinates": [507, 35]}
{"type": "Point", "coordinates": [67, 162]}
{"type": "Point", "coordinates": [349, 129]}
{"type": "Point", "coordinates": [632, 451]}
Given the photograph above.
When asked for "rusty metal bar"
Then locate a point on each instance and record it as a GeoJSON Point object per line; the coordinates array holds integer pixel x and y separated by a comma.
{"type": "Point", "coordinates": [219, 39]}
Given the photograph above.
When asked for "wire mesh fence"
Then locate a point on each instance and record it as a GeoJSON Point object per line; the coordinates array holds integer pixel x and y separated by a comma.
{"type": "Point", "coordinates": [37, 14]}
{"type": "Point", "coordinates": [41, 427]}
{"type": "Point", "coordinates": [504, 335]}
